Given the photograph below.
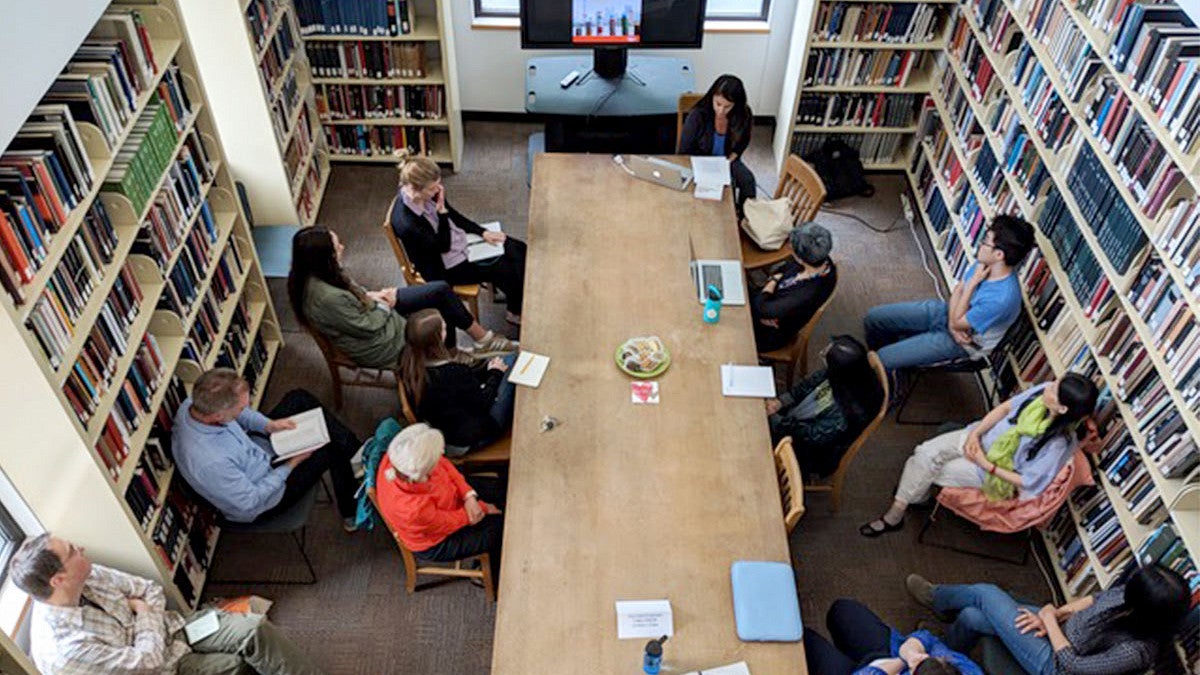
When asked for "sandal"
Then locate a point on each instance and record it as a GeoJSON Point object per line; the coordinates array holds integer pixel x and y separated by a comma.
{"type": "Point", "coordinates": [867, 530]}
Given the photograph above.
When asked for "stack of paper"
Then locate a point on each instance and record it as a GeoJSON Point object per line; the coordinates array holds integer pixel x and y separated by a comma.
{"type": "Point", "coordinates": [711, 175]}
{"type": "Point", "coordinates": [748, 381]}
{"type": "Point", "coordinates": [528, 369]}
{"type": "Point", "coordinates": [478, 249]}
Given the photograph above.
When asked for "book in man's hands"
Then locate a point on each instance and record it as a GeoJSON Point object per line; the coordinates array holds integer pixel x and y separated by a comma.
{"type": "Point", "coordinates": [310, 433]}
{"type": "Point", "coordinates": [478, 249]}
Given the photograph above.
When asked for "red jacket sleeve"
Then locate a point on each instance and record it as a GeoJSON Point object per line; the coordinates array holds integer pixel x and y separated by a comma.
{"type": "Point", "coordinates": [460, 484]}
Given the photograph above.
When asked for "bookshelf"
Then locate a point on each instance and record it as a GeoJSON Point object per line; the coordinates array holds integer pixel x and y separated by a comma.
{"type": "Point", "coordinates": [384, 77]}
{"type": "Point", "coordinates": [132, 272]}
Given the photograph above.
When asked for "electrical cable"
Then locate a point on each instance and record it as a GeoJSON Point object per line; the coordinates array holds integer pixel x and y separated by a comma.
{"type": "Point", "coordinates": [889, 228]}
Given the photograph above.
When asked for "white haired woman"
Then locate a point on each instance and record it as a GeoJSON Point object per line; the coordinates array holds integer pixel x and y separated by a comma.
{"type": "Point", "coordinates": [428, 504]}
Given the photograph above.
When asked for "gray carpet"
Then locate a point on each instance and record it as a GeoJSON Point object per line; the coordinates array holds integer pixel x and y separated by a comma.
{"type": "Point", "coordinates": [357, 618]}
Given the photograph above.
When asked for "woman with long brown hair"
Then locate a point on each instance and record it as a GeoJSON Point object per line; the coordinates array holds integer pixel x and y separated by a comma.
{"type": "Point", "coordinates": [470, 405]}
{"type": "Point", "coordinates": [719, 124]}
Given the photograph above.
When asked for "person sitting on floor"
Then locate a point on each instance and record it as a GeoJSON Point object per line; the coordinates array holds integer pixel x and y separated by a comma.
{"type": "Point", "coordinates": [368, 326]}
{"type": "Point", "coordinates": [794, 293]}
{"type": "Point", "coordinates": [223, 450]}
{"type": "Point", "coordinates": [1015, 450]}
{"type": "Point", "coordinates": [430, 506]}
{"type": "Point", "coordinates": [434, 235]}
{"type": "Point", "coordinates": [90, 619]}
{"type": "Point", "coordinates": [865, 645]}
{"type": "Point", "coordinates": [1118, 631]}
{"type": "Point", "coordinates": [981, 308]}
{"type": "Point", "coordinates": [471, 405]}
{"type": "Point", "coordinates": [720, 124]}
{"type": "Point", "coordinates": [827, 410]}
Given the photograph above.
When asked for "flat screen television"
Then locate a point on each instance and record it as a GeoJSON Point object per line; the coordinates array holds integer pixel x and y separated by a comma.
{"type": "Point", "coordinates": [610, 27]}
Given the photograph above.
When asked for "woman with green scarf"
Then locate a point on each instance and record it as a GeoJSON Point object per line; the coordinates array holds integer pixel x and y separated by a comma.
{"type": "Point", "coordinates": [1016, 450]}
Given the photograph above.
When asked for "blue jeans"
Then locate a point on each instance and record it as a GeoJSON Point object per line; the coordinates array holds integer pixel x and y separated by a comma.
{"type": "Point", "coordinates": [506, 396]}
{"type": "Point", "coordinates": [985, 609]}
{"type": "Point", "coordinates": [909, 334]}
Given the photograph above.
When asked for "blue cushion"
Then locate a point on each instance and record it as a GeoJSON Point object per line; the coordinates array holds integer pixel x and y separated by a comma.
{"type": "Point", "coordinates": [765, 605]}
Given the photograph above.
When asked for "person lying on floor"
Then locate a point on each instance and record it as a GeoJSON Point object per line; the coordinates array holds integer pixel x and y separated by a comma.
{"type": "Point", "coordinates": [368, 326]}
{"type": "Point", "coordinates": [783, 306]}
{"type": "Point", "coordinates": [471, 405]}
{"type": "Point", "coordinates": [1118, 631]}
{"type": "Point", "coordinates": [826, 411]}
{"type": "Point", "coordinates": [1015, 450]}
{"type": "Point", "coordinates": [864, 645]}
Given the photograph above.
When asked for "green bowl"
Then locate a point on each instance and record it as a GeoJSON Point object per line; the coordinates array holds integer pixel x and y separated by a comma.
{"type": "Point", "coordinates": [662, 368]}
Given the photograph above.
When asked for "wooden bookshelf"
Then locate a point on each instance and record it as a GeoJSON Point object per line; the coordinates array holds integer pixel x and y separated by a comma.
{"type": "Point", "coordinates": [211, 241]}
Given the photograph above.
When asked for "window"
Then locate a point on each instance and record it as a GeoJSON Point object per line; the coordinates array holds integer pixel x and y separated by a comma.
{"type": "Point", "coordinates": [11, 537]}
{"type": "Point", "coordinates": [721, 10]}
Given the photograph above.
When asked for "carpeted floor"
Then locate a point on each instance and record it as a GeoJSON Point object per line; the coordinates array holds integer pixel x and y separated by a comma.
{"type": "Point", "coordinates": [357, 618]}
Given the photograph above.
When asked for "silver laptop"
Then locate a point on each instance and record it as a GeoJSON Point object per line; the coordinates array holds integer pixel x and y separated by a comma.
{"type": "Point", "coordinates": [726, 275]}
{"type": "Point", "coordinates": [659, 171]}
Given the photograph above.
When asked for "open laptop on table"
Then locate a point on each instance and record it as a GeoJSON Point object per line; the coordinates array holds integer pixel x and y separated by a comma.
{"type": "Point", "coordinates": [726, 275]}
{"type": "Point", "coordinates": [658, 171]}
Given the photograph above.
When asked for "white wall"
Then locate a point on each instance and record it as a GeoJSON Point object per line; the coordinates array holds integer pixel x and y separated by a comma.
{"type": "Point", "coordinates": [491, 64]}
{"type": "Point", "coordinates": [36, 41]}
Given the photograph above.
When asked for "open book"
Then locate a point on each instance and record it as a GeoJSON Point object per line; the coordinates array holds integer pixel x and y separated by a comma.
{"type": "Point", "coordinates": [478, 249]}
{"type": "Point", "coordinates": [310, 433]}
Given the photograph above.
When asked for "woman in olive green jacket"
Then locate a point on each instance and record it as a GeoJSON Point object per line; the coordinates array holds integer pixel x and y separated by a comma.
{"type": "Point", "coordinates": [368, 326]}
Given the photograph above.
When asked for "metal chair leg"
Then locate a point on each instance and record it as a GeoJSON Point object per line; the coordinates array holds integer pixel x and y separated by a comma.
{"type": "Point", "coordinates": [1027, 535]}
{"type": "Point", "coordinates": [300, 538]}
{"type": "Point", "coordinates": [904, 398]}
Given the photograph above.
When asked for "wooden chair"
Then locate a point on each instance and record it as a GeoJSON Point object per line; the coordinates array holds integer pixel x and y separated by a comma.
{"type": "Point", "coordinates": [687, 101]}
{"type": "Point", "coordinates": [834, 486]}
{"type": "Point", "coordinates": [797, 350]}
{"type": "Point", "coordinates": [448, 571]}
{"type": "Point", "coordinates": [496, 453]}
{"type": "Point", "coordinates": [360, 376]}
{"type": "Point", "coordinates": [468, 293]}
{"type": "Point", "coordinates": [791, 483]}
{"type": "Point", "coordinates": [805, 193]}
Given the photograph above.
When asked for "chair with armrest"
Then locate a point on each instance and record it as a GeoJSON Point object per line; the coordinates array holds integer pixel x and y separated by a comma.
{"type": "Point", "coordinates": [496, 453]}
{"type": "Point", "coordinates": [805, 193]}
{"type": "Point", "coordinates": [838, 479]}
{"type": "Point", "coordinates": [797, 349]}
{"type": "Point", "coordinates": [448, 571]}
{"type": "Point", "coordinates": [687, 101]}
{"type": "Point", "coordinates": [359, 376]}
{"type": "Point", "coordinates": [468, 293]}
{"type": "Point", "coordinates": [791, 483]}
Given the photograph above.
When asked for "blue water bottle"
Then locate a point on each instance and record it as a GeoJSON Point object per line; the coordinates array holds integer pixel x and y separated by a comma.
{"type": "Point", "coordinates": [652, 661]}
{"type": "Point", "coordinates": [712, 305]}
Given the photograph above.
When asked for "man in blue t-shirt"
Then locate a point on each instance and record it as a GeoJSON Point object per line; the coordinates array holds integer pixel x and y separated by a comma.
{"type": "Point", "coordinates": [972, 323]}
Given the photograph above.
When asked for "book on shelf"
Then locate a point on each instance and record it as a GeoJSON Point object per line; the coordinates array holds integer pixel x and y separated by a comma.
{"type": "Point", "coordinates": [862, 67]}
{"type": "Point", "coordinates": [857, 110]}
{"type": "Point", "coordinates": [276, 58]}
{"type": "Point", "coordinates": [355, 17]}
{"type": "Point", "coordinates": [894, 23]}
{"type": "Point", "coordinates": [360, 59]}
{"type": "Point", "coordinates": [352, 101]}
{"type": "Point", "coordinates": [377, 141]}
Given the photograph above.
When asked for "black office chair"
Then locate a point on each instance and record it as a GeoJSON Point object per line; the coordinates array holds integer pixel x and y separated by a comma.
{"type": "Point", "coordinates": [966, 365]}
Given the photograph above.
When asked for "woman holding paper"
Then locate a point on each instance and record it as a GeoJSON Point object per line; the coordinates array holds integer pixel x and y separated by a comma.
{"type": "Point", "coordinates": [719, 125]}
{"type": "Point", "coordinates": [437, 238]}
{"type": "Point", "coordinates": [471, 404]}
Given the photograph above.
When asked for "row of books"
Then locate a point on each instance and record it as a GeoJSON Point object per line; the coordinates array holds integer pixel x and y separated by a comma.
{"type": "Point", "coordinates": [377, 141]}
{"type": "Point", "coordinates": [858, 110]}
{"type": "Point", "coordinates": [1098, 519]}
{"type": "Point", "coordinates": [256, 363]}
{"type": "Point", "coordinates": [350, 101]}
{"type": "Point", "coordinates": [1123, 466]}
{"type": "Point", "coordinates": [366, 59]}
{"type": "Point", "coordinates": [355, 17]}
{"type": "Point", "coordinates": [1088, 282]}
{"type": "Point", "coordinates": [979, 69]}
{"type": "Point", "coordinates": [300, 147]}
{"type": "Point", "coordinates": [1172, 323]}
{"type": "Point", "coordinates": [196, 556]}
{"type": "Point", "coordinates": [146, 154]}
{"type": "Point", "coordinates": [1109, 216]}
{"type": "Point", "coordinates": [1054, 123]}
{"type": "Point", "coordinates": [997, 23]}
{"type": "Point", "coordinates": [278, 55]}
{"type": "Point", "coordinates": [862, 67]}
{"type": "Point", "coordinates": [899, 23]}
{"type": "Point", "coordinates": [237, 337]}
{"type": "Point", "coordinates": [260, 14]}
{"type": "Point", "coordinates": [284, 105]}
{"type": "Point", "coordinates": [1069, 48]}
{"type": "Point", "coordinates": [308, 201]}
{"type": "Point", "coordinates": [202, 334]}
{"type": "Point", "coordinates": [1178, 238]}
{"type": "Point", "coordinates": [176, 205]}
{"type": "Point", "coordinates": [1072, 557]}
{"type": "Point", "coordinates": [132, 407]}
{"type": "Point", "coordinates": [89, 381]}
{"type": "Point", "coordinates": [187, 275]}
{"type": "Point", "coordinates": [931, 196]}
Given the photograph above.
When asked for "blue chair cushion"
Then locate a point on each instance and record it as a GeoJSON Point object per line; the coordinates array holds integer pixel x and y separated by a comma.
{"type": "Point", "coordinates": [765, 605]}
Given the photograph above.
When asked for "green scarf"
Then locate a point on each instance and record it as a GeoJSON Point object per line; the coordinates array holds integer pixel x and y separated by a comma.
{"type": "Point", "coordinates": [1032, 422]}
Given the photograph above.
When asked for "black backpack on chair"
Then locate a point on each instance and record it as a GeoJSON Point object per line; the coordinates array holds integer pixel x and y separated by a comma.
{"type": "Point", "coordinates": [841, 170]}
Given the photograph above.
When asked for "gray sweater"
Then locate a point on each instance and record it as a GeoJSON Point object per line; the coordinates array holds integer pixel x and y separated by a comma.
{"type": "Point", "coordinates": [371, 335]}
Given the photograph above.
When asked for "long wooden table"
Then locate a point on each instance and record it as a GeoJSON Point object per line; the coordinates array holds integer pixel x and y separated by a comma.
{"type": "Point", "coordinates": [623, 501]}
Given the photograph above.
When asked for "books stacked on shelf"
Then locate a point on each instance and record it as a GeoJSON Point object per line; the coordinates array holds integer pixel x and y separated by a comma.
{"type": "Point", "coordinates": [1125, 470]}
{"type": "Point", "coordinates": [862, 67]}
{"type": "Point", "coordinates": [359, 59]}
{"type": "Point", "coordinates": [260, 14]}
{"type": "Point", "coordinates": [237, 337]}
{"type": "Point", "coordinates": [1055, 125]}
{"type": "Point", "coordinates": [931, 196]}
{"type": "Point", "coordinates": [996, 22]}
{"type": "Point", "coordinates": [1165, 311]}
{"type": "Point", "coordinates": [175, 206]}
{"type": "Point", "coordinates": [341, 102]}
{"type": "Point", "coordinates": [256, 363]}
{"type": "Point", "coordinates": [148, 484]}
{"type": "Point", "coordinates": [144, 157]}
{"type": "Point", "coordinates": [1165, 547]}
{"type": "Point", "coordinates": [897, 23]}
{"type": "Point", "coordinates": [1178, 237]}
{"type": "Point", "coordinates": [201, 541]}
{"type": "Point", "coordinates": [300, 147]}
{"type": "Point", "coordinates": [132, 404]}
{"type": "Point", "coordinates": [1072, 557]}
{"type": "Point", "coordinates": [285, 104]}
{"type": "Point", "coordinates": [203, 332]}
{"type": "Point", "coordinates": [858, 110]}
{"type": "Point", "coordinates": [1099, 521]}
{"type": "Point", "coordinates": [91, 376]}
{"type": "Point", "coordinates": [1087, 279]}
{"type": "Point", "coordinates": [1051, 24]}
{"type": "Point", "coordinates": [979, 70]}
{"type": "Point", "coordinates": [314, 178]}
{"type": "Point", "coordinates": [355, 17]}
{"type": "Point", "coordinates": [889, 148]}
{"type": "Point", "coordinates": [185, 277]}
{"type": "Point", "coordinates": [276, 58]}
{"type": "Point", "coordinates": [380, 141]}
{"type": "Point", "coordinates": [1032, 363]}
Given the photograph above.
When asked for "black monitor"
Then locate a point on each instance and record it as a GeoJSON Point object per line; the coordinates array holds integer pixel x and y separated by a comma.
{"type": "Point", "coordinates": [611, 27]}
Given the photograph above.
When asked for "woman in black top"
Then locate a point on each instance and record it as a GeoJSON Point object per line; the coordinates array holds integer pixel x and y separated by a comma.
{"type": "Point", "coordinates": [471, 405]}
{"type": "Point", "coordinates": [719, 124]}
{"type": "Point", "coordinates": [434, 235]}
{"type": "Point", "coordinates": [786, 303]}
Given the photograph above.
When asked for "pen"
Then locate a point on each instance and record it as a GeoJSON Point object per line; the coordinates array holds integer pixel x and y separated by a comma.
{"type": "Point", "coordinates": [526, 366]}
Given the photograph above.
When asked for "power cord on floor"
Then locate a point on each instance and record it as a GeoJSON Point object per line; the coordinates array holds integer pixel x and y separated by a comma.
{"type": "Point", "coordinates": [890, 228]}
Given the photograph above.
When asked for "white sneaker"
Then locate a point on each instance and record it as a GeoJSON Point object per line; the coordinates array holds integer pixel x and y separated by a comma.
{"type": "Point", "coordinates": [492, 344]}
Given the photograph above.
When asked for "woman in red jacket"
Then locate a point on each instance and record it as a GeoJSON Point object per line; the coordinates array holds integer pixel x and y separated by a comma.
{"type": "Point", "coordinates": [428, 504]}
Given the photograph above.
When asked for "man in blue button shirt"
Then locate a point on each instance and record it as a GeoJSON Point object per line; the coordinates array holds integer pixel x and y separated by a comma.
{"type": "Point", "coordinates": [221, 447]}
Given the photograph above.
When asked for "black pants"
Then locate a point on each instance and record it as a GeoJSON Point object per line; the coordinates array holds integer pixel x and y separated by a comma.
{"type": "Point", "coordinates": [333, 457]}
{"type": "Point", "coordinates": [435, 295]}
{"type": "Point", "coordinates": [507, 272]}
{"type": "Point", "coordinates": [860, 637]}
{"type": "Point", "coordinates": [743, 185]}
{"type": "Point", "coordinates": [482, 537]}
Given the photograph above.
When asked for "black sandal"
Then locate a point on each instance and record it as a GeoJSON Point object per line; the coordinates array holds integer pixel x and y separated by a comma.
{"type": "Point", "coordinates": [870, 532]}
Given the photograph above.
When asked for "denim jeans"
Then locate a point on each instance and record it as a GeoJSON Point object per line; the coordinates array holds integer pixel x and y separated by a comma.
{"type": "Point", "coordinates": [435, 295]}
{"type": "Point", "coordinates": [506, 396]}
{"type": "Point", "coordinates": [985, 609]}
{"type": "Point", "coordinates": [909, 334]}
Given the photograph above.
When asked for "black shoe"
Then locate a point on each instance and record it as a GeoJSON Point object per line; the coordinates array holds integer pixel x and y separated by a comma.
{"type": "Point", "coordinates": [871, 532]}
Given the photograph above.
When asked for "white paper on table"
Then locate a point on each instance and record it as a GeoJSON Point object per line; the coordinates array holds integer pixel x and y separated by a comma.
{"type": "Point", "coordinates": [709, 192]}
{"type": "Point", "coordinates": [710, 171]}
{"type": "Point", "coordinates": [478, 249]}
{"type": "Point", "coordinates": [528, 369]}
{"type": "Point", "coordinates": [310, 433]}
{"type": "Point", "coordinates": [739, 668]}
{"type": "Point", "coordinates": [201, 627]}
{"type": "Point", "coordinates": [747, 381]}
{"type": "Point", "coordinates": [644, 619]}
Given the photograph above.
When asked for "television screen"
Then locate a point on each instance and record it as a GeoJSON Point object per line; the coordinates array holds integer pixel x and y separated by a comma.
{"type": "Point", "coordinates": [587, 24]}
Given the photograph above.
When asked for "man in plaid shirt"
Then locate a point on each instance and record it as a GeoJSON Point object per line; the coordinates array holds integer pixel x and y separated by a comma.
{"type": "Point", "coordinates": [92, 619]}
